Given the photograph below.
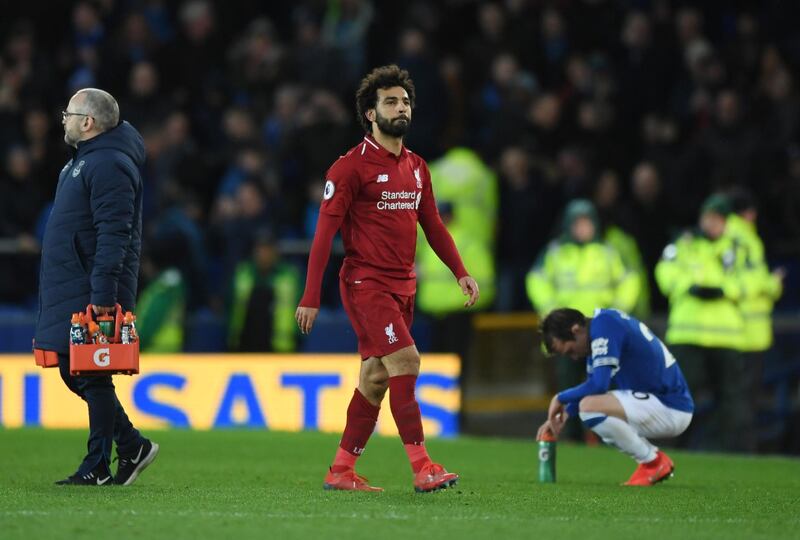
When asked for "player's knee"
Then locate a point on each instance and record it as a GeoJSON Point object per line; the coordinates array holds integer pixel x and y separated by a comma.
{"type": "Point", "coordinates": [378, 382]}
{"type": "Point", "coordinates": [589, 404]}
{"type": "Point", "coordinates": [403, 362]}
{"type": "Point", "coordinates": [410, 363]}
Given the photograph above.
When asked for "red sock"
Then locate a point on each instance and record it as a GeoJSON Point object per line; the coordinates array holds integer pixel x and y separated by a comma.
{"type": "Point", "coordinates": [361, 418]}
{"type": "Point", "coordinates": [417, 455]}
{"type": "Point", "coordinates": [405, 410]}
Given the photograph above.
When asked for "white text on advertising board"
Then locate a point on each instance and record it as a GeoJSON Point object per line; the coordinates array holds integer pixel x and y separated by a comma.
{"type": "Point", "coordinates": [282, 392]}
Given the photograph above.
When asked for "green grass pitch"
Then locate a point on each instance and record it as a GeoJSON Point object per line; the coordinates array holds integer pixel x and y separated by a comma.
{"type": "Point", "coordinates": [244, 484]}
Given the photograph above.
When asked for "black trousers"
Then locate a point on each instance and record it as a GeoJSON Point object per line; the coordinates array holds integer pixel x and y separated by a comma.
{"type": "Point", "coordinates": [719, 380]}
{"type": "Point", "coordinates": [107, 419]}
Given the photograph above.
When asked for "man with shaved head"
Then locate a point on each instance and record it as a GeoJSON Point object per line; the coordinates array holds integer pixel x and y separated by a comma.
{"type": "Point", "coordinates": [90, 255]}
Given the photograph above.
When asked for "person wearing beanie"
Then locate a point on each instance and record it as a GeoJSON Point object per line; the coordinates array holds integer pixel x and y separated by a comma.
{"type": "Point", "coordinates": [697, 273]}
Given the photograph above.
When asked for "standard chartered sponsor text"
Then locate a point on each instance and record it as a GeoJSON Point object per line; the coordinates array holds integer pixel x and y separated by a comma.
{"type": "Point", "coordinates": [402, 200]}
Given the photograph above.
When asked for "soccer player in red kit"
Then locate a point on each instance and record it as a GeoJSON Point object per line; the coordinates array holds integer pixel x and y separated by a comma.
{"type": "Point", "coordinates": [376, 194]}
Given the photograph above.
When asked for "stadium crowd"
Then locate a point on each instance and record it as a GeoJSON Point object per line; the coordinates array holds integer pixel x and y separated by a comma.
{"type": "Point", "coordinates": [643, 107]}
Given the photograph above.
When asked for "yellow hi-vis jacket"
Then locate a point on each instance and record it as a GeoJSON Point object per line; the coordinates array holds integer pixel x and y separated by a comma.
{"type": "Point", "coordinates": [760, 288]}
{"type": "Point", "coordinates": [284, 281]}
{"type": "Point", "coordinates": [461, 178]}
{"type": "Point", "coordinates": [438, 292]}
{"type": "Point", "coordinates": [693, 262]}
{"type": "Point", "coordinates": [583, 277]}
{"type": "Point", "coordinates": [161, 313]}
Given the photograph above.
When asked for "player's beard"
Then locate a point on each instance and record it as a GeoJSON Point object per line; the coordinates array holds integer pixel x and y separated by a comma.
{"type": "Point", "coordinates": [393, 128]}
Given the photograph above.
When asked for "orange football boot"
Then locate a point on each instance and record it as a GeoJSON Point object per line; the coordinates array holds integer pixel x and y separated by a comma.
{"type": "Point", "coordinates": [653, 472]}
{"type": "Point", "coordinates": [432, 477]}
{"type": "Point", "coordinates": [347, 480]}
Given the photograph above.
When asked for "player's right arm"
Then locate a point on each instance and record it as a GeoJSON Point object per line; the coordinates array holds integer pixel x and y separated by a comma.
{"type": "Point", "coordinates": [557, 415]}
{"type": "Point", "coordinates": [341, 187]}
{"type": "Point", "coordinates": [308, 309]}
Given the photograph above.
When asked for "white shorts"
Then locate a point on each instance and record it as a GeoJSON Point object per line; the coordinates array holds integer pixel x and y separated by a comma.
{"type": "Point", "coordinates": [651, 418]}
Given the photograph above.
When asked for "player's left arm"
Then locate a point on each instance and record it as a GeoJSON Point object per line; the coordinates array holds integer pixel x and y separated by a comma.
{"type": "Point", "coordinates": [442, 242]}
{"type": "Point", "coordinates": [596, 384]}
{"type": "Point", "coordinates": [607, 337]}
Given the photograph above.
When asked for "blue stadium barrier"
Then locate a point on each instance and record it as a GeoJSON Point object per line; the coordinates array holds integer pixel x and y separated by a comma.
{"type": "Point", "coordinates": [16, 329]}
{"type": "Point", "coordinates": [332, 333]}
{"type": "Point", "coordinates": [205, 332]}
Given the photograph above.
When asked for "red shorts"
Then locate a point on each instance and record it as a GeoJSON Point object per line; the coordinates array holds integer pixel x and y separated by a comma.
{"type": "Point", "coordinates": [381, 319]}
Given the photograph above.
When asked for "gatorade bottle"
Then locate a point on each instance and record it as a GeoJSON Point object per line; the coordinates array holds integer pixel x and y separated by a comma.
{"type": "Point", "coordinates": [95, 333]}
{"type": "Point", "coordinates": [547, 458]}
{"type": "Point", "coordinates": [134, 335]}
{"type": "Point", "coordinates": [84, 327]}
{"type": "Point", "coordinates": [126, 334]}
{"type": "Point", "coordinates": [76, 330]}
{"type": "Point", "coordinates": [106, 323]}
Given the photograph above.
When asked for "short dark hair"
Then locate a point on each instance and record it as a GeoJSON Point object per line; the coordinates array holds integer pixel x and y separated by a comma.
{"type": "Point", "coordinates": [558, 324]}
{"type": "Point", "coordinates": [381, 77]}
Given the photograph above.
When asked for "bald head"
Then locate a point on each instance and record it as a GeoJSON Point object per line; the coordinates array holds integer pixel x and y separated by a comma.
{"type": "Point", "coordinates": [100, 105]}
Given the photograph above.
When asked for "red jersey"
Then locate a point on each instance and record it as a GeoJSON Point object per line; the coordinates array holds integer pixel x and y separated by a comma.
{"type": "Point", "coordinates": [380, 198]}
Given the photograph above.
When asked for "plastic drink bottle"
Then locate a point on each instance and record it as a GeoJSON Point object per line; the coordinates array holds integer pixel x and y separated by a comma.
{"type": "Point", "coordinates": [96, 334]}
{"type": "Point", "coordinates": [76, 330]}
{"type": "Point", "coordinates": [547, 458]}
{"type": "Point", "coordinates": [126, 329]}
{"type": "Point", "coordinates": [106, 323]}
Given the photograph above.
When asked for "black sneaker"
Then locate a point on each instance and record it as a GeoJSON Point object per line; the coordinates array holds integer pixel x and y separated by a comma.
{"type": "Point", "coordinates": [100, 476]}
{"type": "Point", "coordinates": [131, 465]}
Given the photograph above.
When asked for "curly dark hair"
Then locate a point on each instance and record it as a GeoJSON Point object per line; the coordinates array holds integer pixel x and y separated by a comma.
{"type": "Point", "coordinates": [558, 324]}
{"type": "Point", "coordinates": [381, 77]}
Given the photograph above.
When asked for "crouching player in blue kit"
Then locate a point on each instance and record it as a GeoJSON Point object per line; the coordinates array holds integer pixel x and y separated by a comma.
{"type": "Point", "coordinates": [651, 398]}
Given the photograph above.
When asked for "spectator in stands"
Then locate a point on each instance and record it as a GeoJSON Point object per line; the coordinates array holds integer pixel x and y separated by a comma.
{"type": "Point", "coordinates": [345, 28]}
{"type": "Point", "coordinates": [20, 201]}
{"type": "Point", "coordinates": [528, 209]}
{"type": "Point", "coordinates": [648, 211]}
{"type": "Point", "coordinates": [262, 299]}
{"type": "Point", "coordinates": [615, 227]}
{"type": "Point", "coordinates": [237, 220]}
{"type": "Point", "coordinates": [161, 312]}
{"type": "Point", "coordinates": [146, 102]}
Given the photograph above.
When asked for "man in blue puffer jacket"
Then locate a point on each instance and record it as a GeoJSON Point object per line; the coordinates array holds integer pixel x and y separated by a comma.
{"type": "Point", "coordinates": [90, 254]}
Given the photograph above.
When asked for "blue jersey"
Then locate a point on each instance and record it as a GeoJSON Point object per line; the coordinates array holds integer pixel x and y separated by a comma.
{"type": "Point", "coordinates": [625, 353]}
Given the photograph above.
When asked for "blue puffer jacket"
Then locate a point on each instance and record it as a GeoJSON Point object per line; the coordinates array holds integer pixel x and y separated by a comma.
{"type": "Point", "coordinates": [91, 247]}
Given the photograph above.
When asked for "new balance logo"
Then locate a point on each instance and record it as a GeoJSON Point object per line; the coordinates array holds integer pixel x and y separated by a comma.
{"type": "Point", "coordinates": [382, 178]}
{"type": "Point", "coordinates": [390, 333]}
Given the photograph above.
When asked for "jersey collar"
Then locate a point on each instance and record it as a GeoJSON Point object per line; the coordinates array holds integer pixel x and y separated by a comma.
{"type": "Point", "coordinates": [383, 152]}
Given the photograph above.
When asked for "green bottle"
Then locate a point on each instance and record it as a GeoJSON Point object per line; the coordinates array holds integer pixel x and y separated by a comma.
{"type": "Point", "coordinates": [106, 324]}
{"type": "Point", "coordinates": [547, 459]}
